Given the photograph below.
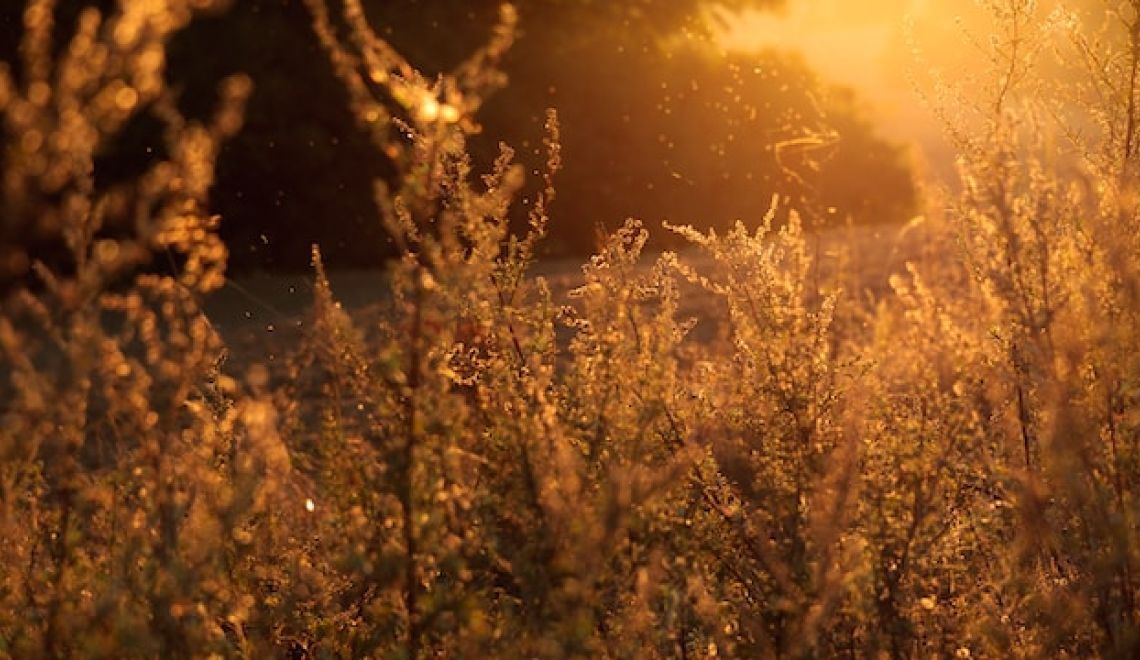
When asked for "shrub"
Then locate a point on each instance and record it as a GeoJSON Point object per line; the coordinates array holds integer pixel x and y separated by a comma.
{"type": "Point", "coordinates": [482, 471]}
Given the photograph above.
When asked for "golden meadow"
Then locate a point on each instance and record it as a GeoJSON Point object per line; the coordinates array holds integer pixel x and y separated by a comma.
{"type": "Point", "coordinates": [948, 467]}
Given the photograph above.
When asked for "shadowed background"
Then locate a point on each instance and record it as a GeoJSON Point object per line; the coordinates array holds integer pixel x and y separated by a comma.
{"type": "Point", "coordinates": [663, 118]}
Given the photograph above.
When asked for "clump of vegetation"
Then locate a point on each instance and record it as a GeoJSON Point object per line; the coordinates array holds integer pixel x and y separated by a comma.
{"type": "Point", "coordinates": [487, 471]}
{"type": "Point", "coordinates": [136, 485]}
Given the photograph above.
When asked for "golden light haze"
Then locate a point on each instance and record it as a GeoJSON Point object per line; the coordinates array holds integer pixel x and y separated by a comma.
{"type": "Point", "coordinates": [886, 50]}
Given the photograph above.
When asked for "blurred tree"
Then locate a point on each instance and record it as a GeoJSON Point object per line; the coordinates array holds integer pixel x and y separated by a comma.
{"type": "Point", "coordinates": [656, 122]}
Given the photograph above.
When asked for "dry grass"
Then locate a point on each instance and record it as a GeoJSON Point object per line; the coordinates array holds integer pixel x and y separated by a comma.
{"type": "Point", "coordinates": [912, 443]}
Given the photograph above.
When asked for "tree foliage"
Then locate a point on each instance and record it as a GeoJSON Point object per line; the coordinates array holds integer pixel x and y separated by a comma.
{"type": "Point", "coordinates": [621, 74]}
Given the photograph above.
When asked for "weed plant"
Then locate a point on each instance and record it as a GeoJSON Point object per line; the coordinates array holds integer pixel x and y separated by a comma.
{"type": "Point", "coordinates": [950, 469]}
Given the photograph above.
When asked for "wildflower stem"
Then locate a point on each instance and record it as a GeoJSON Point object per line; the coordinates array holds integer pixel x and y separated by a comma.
{"type": "Point", "coordinates": [407, 492]}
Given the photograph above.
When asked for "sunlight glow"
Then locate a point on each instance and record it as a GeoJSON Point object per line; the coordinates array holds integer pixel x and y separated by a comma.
{"type": "Point", "coordinates": [883, 49]}
{"type": "Point", "coordinates": [862, 45]}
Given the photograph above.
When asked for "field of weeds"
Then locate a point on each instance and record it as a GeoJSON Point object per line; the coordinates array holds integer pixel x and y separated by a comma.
{"type": "Point", "coordinates": [776, 442]}
{"type": "Point", "coordinates": [261, 315]}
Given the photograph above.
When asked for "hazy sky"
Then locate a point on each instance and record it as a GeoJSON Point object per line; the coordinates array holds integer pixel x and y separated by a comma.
{"type": "Point", "coordinates": [857, 43]}
{"type": "Point", "coordinates": [864, 45]}
{"type": "Point", "coordinates": [870, 45]}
